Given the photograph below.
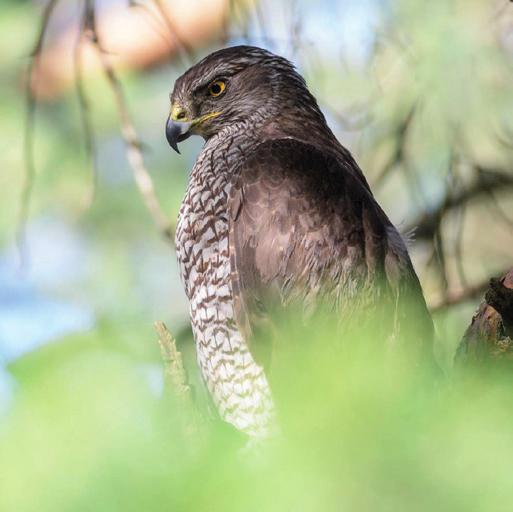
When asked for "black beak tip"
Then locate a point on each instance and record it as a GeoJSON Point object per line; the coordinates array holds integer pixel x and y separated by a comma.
{"type": "Point", "coordinates": [173, 133]}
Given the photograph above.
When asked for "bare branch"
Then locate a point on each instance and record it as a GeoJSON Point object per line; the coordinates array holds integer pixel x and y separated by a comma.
{"type": "Point", "coordinates": [30, 169]}
{"type": "Point", "coordinates": [129, 134]}
{"type": "Point", "coordinates": [180, 391]}
{"type": "Point", "coordinates": [400, 135]}
{"type": "Point", "coordinates": [439, 248]}
{"type": "Point", "coordinates": [173, 363]}
{"type": "Point", "coordinates": [488, 180]}
{"type": "Point", "coordinates": [469, 293]}
{"type": "Point", "coordinates": [184, 50]}
{"type": "Point", "coordinates": [87, 128]}
{"type": "Point", "coordinates": [458, 246]}
{"type": "Point", "coordinates": [87, 31]}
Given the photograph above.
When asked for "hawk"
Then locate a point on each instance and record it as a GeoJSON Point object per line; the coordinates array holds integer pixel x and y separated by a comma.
{"type": "Point", "coordinates": [276, 212]}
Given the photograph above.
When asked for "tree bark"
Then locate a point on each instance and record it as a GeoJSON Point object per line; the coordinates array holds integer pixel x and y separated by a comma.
{"type": "Point", "coordinates": [489, 337]}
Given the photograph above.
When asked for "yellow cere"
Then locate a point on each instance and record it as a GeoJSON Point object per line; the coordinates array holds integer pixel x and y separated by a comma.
{"type": "Point", "coordinates": [178, 113]}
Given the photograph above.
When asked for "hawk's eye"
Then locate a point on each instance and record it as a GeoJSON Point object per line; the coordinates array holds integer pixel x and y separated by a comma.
{"type": "Point", "coordinates": [216, 88]}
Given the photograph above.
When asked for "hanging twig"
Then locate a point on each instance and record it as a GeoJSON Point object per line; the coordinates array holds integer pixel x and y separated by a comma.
{"type": "Point", "coordinates": [439, 248]}
{"type": "Point", "coordinates": [129, 134]}
{"type": "Point", "coordinates": [458, 246]}
{"type": "Point", "coordinates": [153, 17]}
{"type": "Point", "coordinates": [184, 50]}
{"type": "Point", "coordinates": [399, 136]}
{"type": "Point", "coordinates": [461, 296]}
{"type": "Point", "coordinates": [488, 180]}
{"type": "Point", "coordinates": [30, 169]}
{"type": "Point", "coordinates": [87, 128]}
{"type": "Point", "coordinates": [87, 31]}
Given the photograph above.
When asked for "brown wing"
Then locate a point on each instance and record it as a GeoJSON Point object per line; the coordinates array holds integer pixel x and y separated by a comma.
{"type": "Point", "coordinates": [305, 231]}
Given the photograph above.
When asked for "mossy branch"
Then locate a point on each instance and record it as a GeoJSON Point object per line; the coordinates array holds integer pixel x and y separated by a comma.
{"type": "Point", "coordinates": [178, 386]}
{"type": "Point", "coordinates": [173, 364]}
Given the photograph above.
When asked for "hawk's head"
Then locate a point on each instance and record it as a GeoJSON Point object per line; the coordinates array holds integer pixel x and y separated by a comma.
{"type": "Point", "coordinates": [229, 86]}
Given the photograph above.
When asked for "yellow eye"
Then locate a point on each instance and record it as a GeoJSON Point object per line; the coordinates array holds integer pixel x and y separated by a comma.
{"type": "Point", "coordinates": [216, 88]}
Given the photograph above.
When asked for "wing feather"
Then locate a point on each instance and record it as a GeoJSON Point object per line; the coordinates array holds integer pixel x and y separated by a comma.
{"type": "Point", "coordinates": [305, 231]}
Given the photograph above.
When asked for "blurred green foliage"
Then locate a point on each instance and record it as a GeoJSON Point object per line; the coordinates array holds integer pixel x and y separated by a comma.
{"type": "Point", "coordinates": [87, 432]}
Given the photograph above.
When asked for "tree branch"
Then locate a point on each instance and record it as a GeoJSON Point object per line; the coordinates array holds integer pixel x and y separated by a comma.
{"type": "Point", "coordinates": [88, 31]}
{"type": "Point", "coordinates": [173, 364]}
{"type": "Point", "coordinates": [129, 134]}
{"type": "Point", "coordinates": [30, 168]}
{"type": "Point", "coordinates": [89, 137]}
{"type": "Point", "coordinates": [177, 383]}
{"type": "Point", "coordinates": [399, 136]}
{"type": "Point", "coordinates": [489, 338]}
{"type": "Point", "coordinates": [487, 181]}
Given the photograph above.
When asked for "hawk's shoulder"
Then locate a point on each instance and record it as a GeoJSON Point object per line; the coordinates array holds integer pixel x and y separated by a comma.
{"type": "Point", "coordinates": [304, 229]}
{"type": "Point", "coordinates": [298, 218]}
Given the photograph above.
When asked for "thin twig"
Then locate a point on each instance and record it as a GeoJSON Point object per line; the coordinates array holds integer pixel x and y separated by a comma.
{"type": "Point", "coordinates": [458, 249]}
{"type": "Point", "coordinates": [180, 391]}
{"type": "Point", "coordinates": [87, 128]}
{"type": "Point", "coordinates": [441, 260]}
{"type": "Point", "coordinates": [173, 363]}
{"type": "Point", "coordinates": [153, 17]}
{"type": "Point", "coordinates": [488, 180]}
{"type": "Point", "coordinates": [129, 134]}
{"type": "Point", "coordinates": [454, 298]}
{"type": "Point", "coordinates": [30, 168]}
{"type": "Point", "coordinates": [399, 136]}
{"type": "Point", "coordinates": [184, 50]}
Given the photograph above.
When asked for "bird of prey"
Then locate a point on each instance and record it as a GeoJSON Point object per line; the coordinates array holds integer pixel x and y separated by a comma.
{"type": "Point", "coordinates": [276, 212]}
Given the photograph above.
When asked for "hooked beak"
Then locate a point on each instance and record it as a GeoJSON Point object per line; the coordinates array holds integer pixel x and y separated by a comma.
{"type": "Point", "coordinates": [177, 131]}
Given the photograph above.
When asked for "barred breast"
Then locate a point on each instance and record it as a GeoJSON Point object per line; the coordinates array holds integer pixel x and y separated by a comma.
{"type": "Point", "coordinates": [238, 385]}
